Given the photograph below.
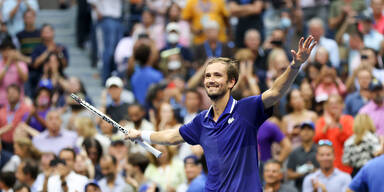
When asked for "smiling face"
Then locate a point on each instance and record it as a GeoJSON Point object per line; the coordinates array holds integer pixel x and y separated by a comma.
{"type": "Point", "coordinates": [216, 81]}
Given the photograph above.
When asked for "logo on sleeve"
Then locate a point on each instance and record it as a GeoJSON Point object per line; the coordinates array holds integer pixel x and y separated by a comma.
{"type": "Point", "coordinates": [230, 120]}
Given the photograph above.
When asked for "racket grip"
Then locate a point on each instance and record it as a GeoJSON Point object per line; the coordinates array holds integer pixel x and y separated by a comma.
{"type": "Point", "coordinates": [149, 148]}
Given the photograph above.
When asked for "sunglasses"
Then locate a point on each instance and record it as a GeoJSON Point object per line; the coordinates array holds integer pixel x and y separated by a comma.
{"type": "Point", "coordinates": [325, 142]}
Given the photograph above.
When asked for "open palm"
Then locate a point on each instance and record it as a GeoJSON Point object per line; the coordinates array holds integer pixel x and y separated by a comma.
{"type": "Point", "coordinates": [305, 49]}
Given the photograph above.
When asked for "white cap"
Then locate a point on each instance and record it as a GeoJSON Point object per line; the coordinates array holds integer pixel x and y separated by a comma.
{"type": "Point", "coordinates": [116, 81]}
{"type": "Point", "coordinates": [173, 26]}
{"type": "Point", "coordinates": [211, 24]}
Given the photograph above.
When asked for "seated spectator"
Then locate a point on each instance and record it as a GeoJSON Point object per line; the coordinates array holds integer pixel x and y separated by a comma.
{"type": "Point", "coordinates": [165, 165]}
{"type": "Point", "coordinates": [327, 178]}
{"type": "Point", "coordinates": [145, 75]}
{"type": "Point", "coordinates": [29, 38]}
{"type": "Point", "coordinates": [172, 64]}
{"type": "Point", "coordinates": [340, 11]}
{"type": "Point", "coordinates": [112, 180]}
{"type": "Point", "coordinates": [312, 73]}
{"type": "Point", "coordinates": [363, 145]}
{"type": "Point", "coordinates": [117, 110]}
{"type": "Point", "coordinates": [328, 83]}
{"type": "Point", "coordinates": [13, 12]}
{"type": "Point", "coordinates": [116, 86]}
{"type": "Point", "coordinates": [372, 38]}
{"type": "Point", "coordinates": [375, 107]}
{"type": "Point", "coordinates": [119, 150]}
{"type": "Point", "coordinates": [173, 15]}
{"type": "Point", "coordinates": [136, 165]}
{"type": "Point", "coordinates": [7, 181]}
{"type": "Point", "coordinates": [212, 46]}
{"type": "Point", "coordinates": [297, 114]}
{"type": "Point", "coordinates": [308, 95]}
{"type": "Point", "coordinates": [356, 100]}
{"type": "Point", "coordinates": [54, 139]}
{"type": "Point", "coordinates": [166, 118]}
{"type": "Point", "coordinates": [322, 57]}
{"type": "Point", "coordinates": [27, 173]}
{"type": "Point", "coordinates": [94, 152]}
{"type": "Point", "coordinates": [73, 111]}
{"type": "Point", "coordinates": [370, 177]}
{"type": "Point", "coordinates": [71, 85]}
{"type": "Point", "coordinates": [273, 176]}
{"type": "Point", "coordinates": [252, 41]}
{"type": "Point", "coordinates": [369, 59]}
{"type": "Point", "coordinates": [23, 150]}
{"type": "Point", "coordinates": [110, 132]}
{"type": "Point", "coordinates": [12, 70]}
{"type": "Point", "coordinates": [53, 72]}
{"type": "Point", "coordinates": [302, 160]}
{"type": "Point", "coordinates": [11, 115]}
{"type": "Point", "coordinates": [196, 178]}
{"type": "Point", "coordinates": [45, 168]}
{"type": "Point", "coordinates": [333, 125]}
{"type": "Point", "coordinates": [277, 40]}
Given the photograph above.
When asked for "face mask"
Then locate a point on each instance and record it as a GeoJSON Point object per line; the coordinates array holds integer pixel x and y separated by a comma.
{"type": "Point", "coordinates": [173, 65]}
{"type": "Point", "coordinates": [285, 22]}
{"type": "Point", "coordinates": [44, 101]}
{"type": "Point", "coordinates": [173, 38]}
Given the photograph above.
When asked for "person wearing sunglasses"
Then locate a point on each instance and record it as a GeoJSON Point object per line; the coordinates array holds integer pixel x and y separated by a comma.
{"type": "Point", "coordinates": [328, 178]}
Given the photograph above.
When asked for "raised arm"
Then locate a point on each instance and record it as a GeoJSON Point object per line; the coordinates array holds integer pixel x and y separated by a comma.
{"type": "Point", "coordinates": [284, 82]}
{"type": "Point", "coordinates": [165, 137]}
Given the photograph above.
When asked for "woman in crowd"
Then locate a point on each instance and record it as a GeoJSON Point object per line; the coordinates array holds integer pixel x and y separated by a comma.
{"type": "Point", "coordinates": [173, 15]}
{"type": "Point", "coordinates": [150, 28]}
{"type": "Point", "coordinates": [166, 118]}
{"type": "Point", "coordinates": [363, 145]}
{"type": "Point", "coordinates": [86, 128]}
{"type": "Point", "coordinates": [94, 152]}
{"type": "Point", "coordinates": [23, 149]}
{"type": "Point", "coordinates": [328, 83]}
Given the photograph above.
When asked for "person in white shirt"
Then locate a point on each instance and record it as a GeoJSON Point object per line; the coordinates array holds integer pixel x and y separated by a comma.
{"type": "Point", "coordinates": [112, 181]}
{"type": "Point", "coordinates": [13, 13]}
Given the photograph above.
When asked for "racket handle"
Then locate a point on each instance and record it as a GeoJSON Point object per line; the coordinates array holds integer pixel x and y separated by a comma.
{"type": "Point", "coordinates": [149, 148]}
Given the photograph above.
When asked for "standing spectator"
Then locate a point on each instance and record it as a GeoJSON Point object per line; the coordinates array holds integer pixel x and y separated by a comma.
{"type": "Point", "coordinates": [375, 107]}
{"type": "Point", "coordinates": [341, 10]}
{"type": "Point", "coordinates": [112, 181]}
{"type": "Point", "coordinates": [12, 70]}
{"type": "Point", "coordinates": [250, 15]}
{"type": "Point", "coordinates": [302, 160]}
{"type": "Point", "coordinates": [117, 110]}
{"type": "Point", "coordinates": [119, 150]}
{"type": "Point", "coordinates": [108, 14]}
{"type": "Point", "coordinates": [173, 15]}
{"type": "Point", "coordinates": [327, 178]}
{"type": "Point", "coordinates": [83, 22]}
{"type": "Point", "coordinates": [252, 41]}
{"type": "Point", "coordinates": [11, 115]}
{"type": "Point", "coordinates": [198, 13]}
{"type": "Point", "coordinates": [273, 176]}
{"type": "Point", "coordinates": [372, 38]}
{"type": "Point", "coordinates": [305, 10]}
{"type": "Point", "coordinates": [336, 127]}
{"type": "Point", "coordinates": [29, 38]}
{"type": "Point", "coordinates": [27, 173]}
{"type": "Point", "coordinates": [13, 12]}
{"type": "Point", "coordinates": [54, 139]}
{"type": "Point", "coordinates": [378, 17]}
{"type": "Point", "coordinates": [370, 177]}
{"type": "Point", "coordinates": [363, 145]}
{"type": "Point", "coordinates": [195, 176]}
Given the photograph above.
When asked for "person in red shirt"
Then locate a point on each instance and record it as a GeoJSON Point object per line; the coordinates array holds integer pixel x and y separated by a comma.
{"type": "Point", "coordinates": [377, 6]}
{"type": "Point", "coordinates": [336, 127]}
{"type": "Point", "coordinates": [11, 115]}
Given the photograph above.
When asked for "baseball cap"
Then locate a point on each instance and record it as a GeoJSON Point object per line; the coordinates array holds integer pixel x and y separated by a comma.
{"type": "Point", "coordinates": [211, 24]}
{"type": "Point", "coordinates": [45, 83]}
{"type": "Point", "coordinates": [192, 159]}
{"type": "Point", "coordinates": [114, 81]}
{"type": "Point", "coordinates": [307, 125]}
{"type": "Point", "coordinates": [375, 85]}
{"type": "Point", "coordinates": [365, 16]}
{"type": "Point", "coordinates": [173, 26]}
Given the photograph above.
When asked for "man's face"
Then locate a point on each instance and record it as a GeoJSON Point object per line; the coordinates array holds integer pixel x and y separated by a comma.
{"type": "Point", "coordinates": [69, 159]}
{"type": "Point", "coordinates": [378, 96]}
{"type": "Point", "coordinates": [212, 34]}
{"type": "Point", "coordinates": [252, 40]}
{"type": "Point", "coordinates": [135, 113]}
{"type": "Point", "coordinates": [29, 18]}
{"type": "Point", "coordinates": [272, 173]}
{"type": "Point", "coordinates": [13, 96]}
{"type": "Point", "coordinates": [306, 134]}
{"type": "Point", "coordinates": [376, 6]}
{"type": "Point", "coordinates": [364, 78]}
{"type": "Point", "coordinates": [216, 82]}
{"type": "Point", "coordinates": [334, 106]}
{"type": "Point", "coordinates": [47, 33]}
{"type": "Point", "coordinates": [370, 59]}
{"type": "Point", "coordinates": [108, 169]}
{"type": "Point", "coordinates": [115, 92]}
{"type": "Point", "coordinates": [316, 31]}
{"type": "Point", "coordinates": [191, 169]}
{"type": "Point", "coordinates": [325, 157]}
{"type": "Point", "coordinates": [53, 122]}
{"type": "Point", "coordinates": [192, 101]}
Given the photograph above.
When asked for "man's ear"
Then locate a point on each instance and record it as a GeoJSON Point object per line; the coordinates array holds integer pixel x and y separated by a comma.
{"type": "Point", "coordinates": [232, 83]}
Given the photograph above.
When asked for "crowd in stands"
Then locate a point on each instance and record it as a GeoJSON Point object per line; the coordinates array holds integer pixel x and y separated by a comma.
{"type": "Point", "coordinates": [326, 134]}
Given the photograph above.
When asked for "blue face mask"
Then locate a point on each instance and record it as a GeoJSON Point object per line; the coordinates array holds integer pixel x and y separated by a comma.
{"type": "Point", "coordinates": [285, 22]}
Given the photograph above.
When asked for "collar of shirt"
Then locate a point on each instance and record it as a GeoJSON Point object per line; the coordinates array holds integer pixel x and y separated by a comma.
{"type": "Point", "coordinates": [320, 174]}
{"type": "Point", "coordinates": [228, 110]}
{"type": "Point", "coordinates": [312, 149]}
{"type": "Point", "coordinates": [16, 107]}
{"type": "Point", "coordinates": [59, 135]}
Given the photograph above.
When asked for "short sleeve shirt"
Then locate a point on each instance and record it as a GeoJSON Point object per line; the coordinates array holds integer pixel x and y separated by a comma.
{"type": "Point", "coordinates": [370, 177]}
{"type": "Point", "coordinates": [268, 134]}
{"type": "Point", "coordinates": [230, 144]}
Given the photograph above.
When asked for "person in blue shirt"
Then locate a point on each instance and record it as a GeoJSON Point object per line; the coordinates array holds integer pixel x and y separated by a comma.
{"type": "Point", "coordinates": [227, 131]}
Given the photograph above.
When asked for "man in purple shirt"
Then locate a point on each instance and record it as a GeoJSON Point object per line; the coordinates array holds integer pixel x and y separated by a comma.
{"type": "Point", "coordinates": [375, 108]}
{"type": "Point", "coordinates": [53, 139]}
{"type": "Point", "coordinates": [227, 131]}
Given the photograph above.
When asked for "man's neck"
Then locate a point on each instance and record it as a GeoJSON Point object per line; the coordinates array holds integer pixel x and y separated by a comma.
{"type": "Point", "coordinates": [138, 124]}
{"type": "Point", "coordinates": [307, 145]}
{"type": "Point", "coordinates": [29, 28]}
{"type": "Point", "coordinates": [327, 172]}
{"type": "Point", "coordinates": [274, 186]}
{"type": "Point", "coordinates": [12, 106]}
{"type": "Point", "coordinates": [298, 111]}
{"type": "Point", "coordinates": [379, 104]}
{"type": "Point", "coordinates": [54, 134]}
{"type": "Point", "coordinates": [219, 106]}
{"type": "Point", "coordinates": [192, 111]}
{"type": "Point", "coordinates": [364, 93]}
{"type": "Point", "coordinates": [116, 101]}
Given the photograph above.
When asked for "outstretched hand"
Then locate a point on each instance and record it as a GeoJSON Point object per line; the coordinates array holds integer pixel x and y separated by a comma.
{"type": "Point", "coordinates": [304, 50]}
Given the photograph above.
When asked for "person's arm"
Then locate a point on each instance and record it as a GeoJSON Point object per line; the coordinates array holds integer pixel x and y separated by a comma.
{"type": "Point", "coordinates": [4, 70]}
{"type": "Point", "coordinates": [284, 82]}
{"type": "Point", "coordinates": [293, 174]}
{"type": "Point", "coordinates": [15, 10]}
{"type": "Point", "coordinates": [5, 128]}
{"type": "Point", "coordinates": [40, 59]}
{"type": "Point", "coordinates": [165, 137]}
{"type": "Point", "coordinates": [286, 148]}
{"type": "Point", "coordinates": [21, 72]}
{"type": "Point", "coordinates": [196, 79]}
{"type": "Point", "coordinates": [245, 10]}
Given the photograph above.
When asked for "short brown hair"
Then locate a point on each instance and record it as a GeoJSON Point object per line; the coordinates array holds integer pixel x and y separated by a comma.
{"type": "Point", "coordinates": [231, 64]}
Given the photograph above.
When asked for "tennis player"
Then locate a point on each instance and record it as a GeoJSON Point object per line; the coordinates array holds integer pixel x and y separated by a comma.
{"type": "Point", "coordinates": [227, 130]}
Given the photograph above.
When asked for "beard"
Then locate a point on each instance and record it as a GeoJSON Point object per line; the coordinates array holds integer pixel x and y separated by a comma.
{"type": "Point", "coordinates": [216, 96]}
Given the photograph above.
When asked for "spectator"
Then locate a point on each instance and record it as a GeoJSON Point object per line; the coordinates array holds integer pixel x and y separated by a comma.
{"type": "Point", "coordinates": [341, 10]}
{"type": "Point", "coordinates": [149, 27]}
{"type": "Point", "coordinates": [273, 175]}
{"type": "Point", "coordinates": [322, 57]}
{"type": "Point", "coordinates": [302, 160]}
{"type": "Point", "coordinates": [166, 165]}
{"type": "Point", "coordinates": [117, 110]}
{"type": "Point", "coordinates": [375, 107]}
{"type": "Point", "coordinates": [363, 145]}
{"type": "Point", "coordinates": [92, 187]}
{"type": "Point", "coordinates": [7, 181]}
{"type": "Point", "coordinates": [12, 69]}
{"type": "Point", "coordinates": [73, 111]}
{"type": "Point", "coordinates": [108, 16]}
{"type": "Point", "coordinates": [354, 45]}
{"type": "Point", "coordinates": [308, 95]}
{"type": "Point", "coordinates": [212, 45]}
{"type": "Point", "coordinates": [297, 114]}
{"type": "Point", "coordinates": [328, 83]}
{"type": "Point", "coordinates": [13, 12]}
{"type": "Point", "coordinates": [336, 127]}
{"type": "Point", "coordinates": [94, 152]}
{"type": "Point", "coordinates": [199, 14]}
{"type": "Point", "coordinates": [166, 118]}
{"type": "Point", "coordinates": [356, 100]}
{"type": "Point", "coordinates": [29, 38]}
{"type": "Point", "coordinates": [27, 173]}
{"type": "Point", "coordinates": [317, 30]}
{"type": "Point", "coordinates": [369, 58]}
{"type": "Point", "coordinates": [327, 178]}
{"type": "Point", "coordinates": [370, 177]}
{"type": "Point", "coordinates": [64, 178]}
{"type": "Point", "coordinates": [173, 15]}
{"type": "Point", "coordinates": [195, 176]}
{"type": "Point", "coordinates": [192, 105]}
{"type": "Point", "coordinates": [54, 139]}
{"type": "Point", "coordinates": [145, 75]}
{"type": "Point", "coordinates": [112, 181]}
{"type": "Point", "coordinates": [119, 150]}
{"type": "Point", "coordinates": [277, 40]}
{"type": "Point", "coordinates": [53, 73]}
{"type": "Point", "coordinates": [110, 132]}
{"type": "Point", "coordinates": [21, 188]}
{"type": "Point", "coordinates": [134, 170]}
{"type": "Point", "coordinates": [372, 38]}
{"type": "Point", "coordinates": [23, 150]}
{"type": "Point", "coordinates": [250, 16]}
{"type": "Point", "coordinates": [252, 41]}
{"type": "Point", "coordinates": [46, 169]}
{"type": "Point", "coordinates": [69, 156]}
{"type": "Point", "coordinates": [11, 115]}
{"type": "Point", "coordinates": [306, 10]}
{"type": "Point", "coordinates": [173, 35]}
{"type": "Point", "coordinates": [378, 17]}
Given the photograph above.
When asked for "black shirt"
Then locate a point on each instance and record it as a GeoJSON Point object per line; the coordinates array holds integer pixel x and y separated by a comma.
{"type": "Point", "coordinates": [118, 112]}
{"type": "Point", "coordinates": [28, 41]}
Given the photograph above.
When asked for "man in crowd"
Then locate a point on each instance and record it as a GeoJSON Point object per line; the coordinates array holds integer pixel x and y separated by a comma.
{"type": "Point", "coordinates": [13, 12]}
{"type": "Point", "coordinates": [26, 173]}
{"type": "Point", "coordinates": [112, 180]}
{"type": "Point", "coordinates": [327, 178]}
{"type": "Point", "coordinates": [117, 110]}
{"type": "Point", "coordinates": [273, 175]}
{"type": "Point", "coordinates": [196, 178]}
{"type": "Point", "coordinates": [252, 41]}
{"type": "Point", "coordinates": [302, 160]}
{"type": "Point", "coordinates": [136, 165]}
{"type": "Point", "coordinates": [29, 38]}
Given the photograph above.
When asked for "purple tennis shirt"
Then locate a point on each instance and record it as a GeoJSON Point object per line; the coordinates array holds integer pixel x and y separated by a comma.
{"type": "Point", "coordinates": [268, 134]}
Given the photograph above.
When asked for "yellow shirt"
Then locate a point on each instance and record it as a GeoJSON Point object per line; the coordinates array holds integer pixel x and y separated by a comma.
{"type": "Point", "coordinates": [197, 11]}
